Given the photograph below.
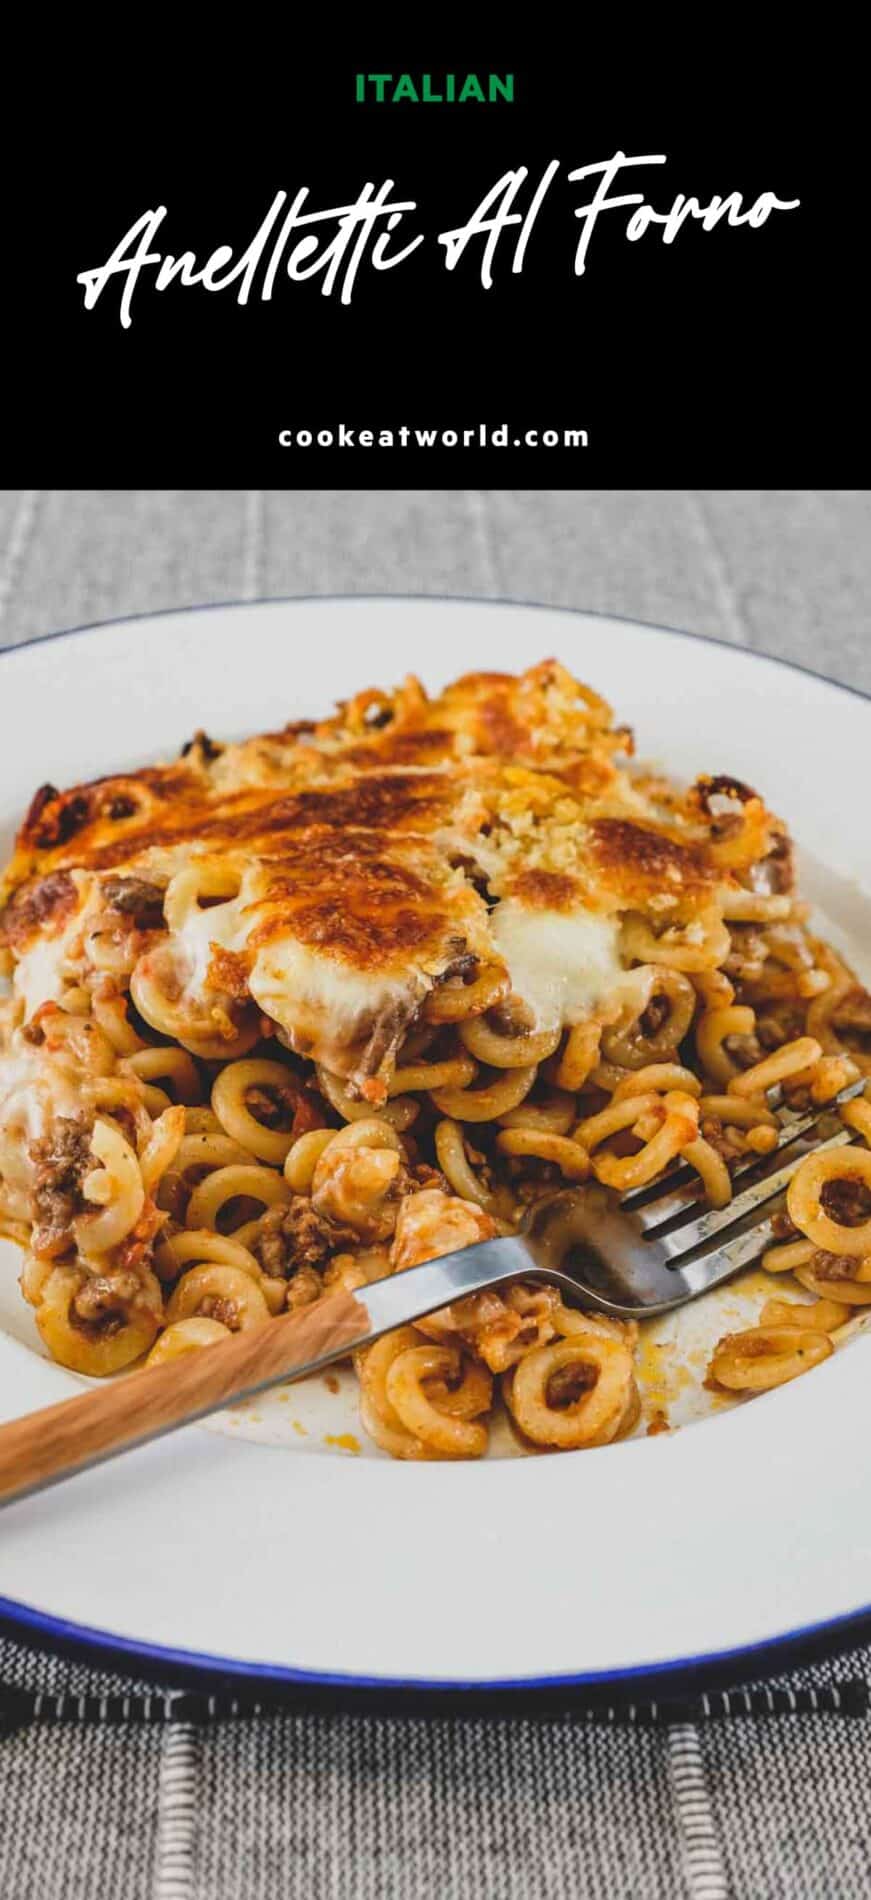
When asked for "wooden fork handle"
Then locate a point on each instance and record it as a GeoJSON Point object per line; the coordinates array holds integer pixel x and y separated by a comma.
{"type": "Point", "coordinates": [44, 1446]}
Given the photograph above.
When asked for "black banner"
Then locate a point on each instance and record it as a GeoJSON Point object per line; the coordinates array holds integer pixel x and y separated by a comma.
{"type": "Point", "coordinates": [354, 269]}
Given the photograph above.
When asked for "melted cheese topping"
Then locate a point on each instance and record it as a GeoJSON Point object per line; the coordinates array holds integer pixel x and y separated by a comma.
{"type": "Point", "coordinates": [371, 855]}
{"type": "Point", "coordinates": [564, 965]}
{"type": "Point", "coordinates": [39, 973]}
{"type": "Point", "coordinates": [32, 1092]}
{"type": "Point", "coordinates": [323, 1006]}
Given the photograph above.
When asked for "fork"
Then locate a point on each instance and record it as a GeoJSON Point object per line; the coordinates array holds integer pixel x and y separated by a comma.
{"type": "Point", "coordinates": [637, 1258]}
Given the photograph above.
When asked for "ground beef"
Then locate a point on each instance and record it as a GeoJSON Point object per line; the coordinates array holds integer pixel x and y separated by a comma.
{"type": "Point", "coordinates": [225, 1311]}
{"type": "Point", "coordinates": [60, 1160]}
{"type": "Point", "coordinates": [847, 1200]}
{"type": "Point", "coordinates": [136, 898]}
{"type": "Point", "coordinates": [510, 1019]}
{"type": "Point", "coordinates": [464, 964]}
{"type": "Point", "coordinates": [657, 1012]}
{"type": "Point", "coordinates": [106, 1296]}
{"type": "Point", "coordinates": [569, 1384]}
{"type": "Point", "coordinates": [273, 1107]}
{"type": "Point", "coordinates": [854, 1011]}
{"type": "Point", "coordinates": [297, 1236]}
{"type": "Point", "coordinates": [774, 876]}
{"type": "Point", "coordinates": [305, 1287]}
{"type": "Point", "coordinates": [426, 1177]}
{"type": "Point", "coordinates": [834, 1266]}
{"type": "Point", "coordinates": [769, 1034]}
{"type": "Point", "coordinates": [745, 1050]}
{"type": "Point", "coordinates": [721, 1140]}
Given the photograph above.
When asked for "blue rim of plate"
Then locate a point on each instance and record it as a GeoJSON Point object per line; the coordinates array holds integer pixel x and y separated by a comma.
{"type": "Point", "coordinates": [80, 1637]}
{"type": "Point", "coordinates": [752, 1659]}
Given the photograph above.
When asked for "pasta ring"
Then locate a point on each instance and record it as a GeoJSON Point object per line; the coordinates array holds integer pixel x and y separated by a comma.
{"type": "Point", "coordinates": [630, 1047]}
{"type": "Point", "coordinates": [678, 1129]}
{"type": "Point", "coordinates": [230, 1184]}
{"type": "Point", "coordinates": [456, 1072]}
{"type": "Point", "coordinates": [572, 1160]}
{"type": "Point", "coordinates": [507, 1052]}
{"type": "Point", "coordinates": [195, 1248]}
{"type": "Point", "coordinates": [186, 1335]}
{"type": "Point", "coordinates": [712, 1030]}
{"type": "Point", "coordinates": [86, 1346]}
{"type": "Point", "coordinates": [456, 1167]}
{"type": "Point", "coordinates": [767, 1356]}
{"type": "Point", "coordinates": [822, 1316]}
{"type": "Point", "coordinates": [484, 1104]}
{"type": "Point", "coordinates": [375, 1132]}
{"type": "Point", "coordinates": [303, 1158]}
{"type": "Point", "coordinates": [579, 1056]}
{"type": "Point", "coordinates": [857, 1115]}
{"type": "Point", "coordinates": [659, 1076]}
{"type": "Point", "coordinates": [735, 1113]}
{"type": "Point", "coordinates": [449, 1435]}
{"type": "Point", "coordinates": [593, 1417]}
{"type": "Point", "coordinates": [804, 1200]}
{"type": "Point", "coordinates": [379, 1418]}
{"type": "Point", "coordinates": [116, 1186]}
{"type": "Point", "coordinates": [677, 948]}
{"type": "Point", "coordinates": [787, 1061]}
{"type": "Point", "coordinates": [788, 1257]}
{"type": "Point", "coordinates": [711, 1169]}
{"type": "Point", "coordinates": [553, 1112]}
{"type": "Point", "coordinates": [233, 1297]}
{"type": "Point", "coordinates": [453, 1001]}
{"type": "Point", "coordinates": [166, 1064]}
{"type": "Point", "coordinates": [229, 1102]}
{"type": "Point", "coordinates": [849, 1291]}
{"type": "Point", "coordinates": [401, 1111]}
{"type": "Point", "coordinates": [209, 1149]}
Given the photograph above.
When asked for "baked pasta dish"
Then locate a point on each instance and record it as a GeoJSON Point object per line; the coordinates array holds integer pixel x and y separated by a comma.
{"type": "Point", "coordinates": [307, 1010]}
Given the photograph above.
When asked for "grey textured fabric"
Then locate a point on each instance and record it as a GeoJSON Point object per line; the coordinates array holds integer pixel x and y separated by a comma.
{"type": "Point", "coordinates": [316, 1805]}
{"type": "Point", "coordinates": [787, 572]}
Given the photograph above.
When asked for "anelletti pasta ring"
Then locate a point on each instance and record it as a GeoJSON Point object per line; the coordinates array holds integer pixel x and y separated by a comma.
{"type": "Point", "coordinates": [222, 1293]}
{"type": "Point", "coordinates": [766, 1356]}
{"type": "Point", "coordinates": [454, 1001]}
{"type": "Point", "coordinates": [230, 1091]}
{"type": "Point", "coordinates": [507, 1052]}
{"type": "Point", "coordinates": [230, 1184]}
{"type": "Point", "coordinates": [116, 1186]}
{"type": "Point", "coordinates": [486, 1103]}
{"type": "Point", "coordinates": [194, 1248]}
{"type": "Point", "coordinates": [97, 1348]}
{"type": "Point", "coordinates": [631, 1046]}
{"type": "Point", "coordinates": [804, 1199]}
{"type": "Point", "coordinates": [400, 1112]}
{"type": "Point", "coordinates": [603, 1367]}
{"type": "Point", "coordinates": [712, 1031]}
{"type": "Point", "coordinates": [572, 1160]}
{"type": "Point", "coordinates": [379, 1416]}
{"type": "Point", "coordinates": [446, 1433]}
{"type": "Point", "coordinates": [848, 1288]}
{"type": "Point", "coordinates": [186, 1335]}
{"type": "Point", "coordinates": [698, 946]}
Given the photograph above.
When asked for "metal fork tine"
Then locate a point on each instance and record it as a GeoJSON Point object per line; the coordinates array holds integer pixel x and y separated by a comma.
{"type": "Point", "coordinates": [717, 1219]}
{"type": "Point", "coordinates": [713, 1267]}
{"type": "Point", "coordinates": [684, 1189]}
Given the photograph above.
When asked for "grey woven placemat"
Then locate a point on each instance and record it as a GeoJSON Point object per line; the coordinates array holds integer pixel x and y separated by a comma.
{"type": "Point", "coordinates": [184, 1804]}
{"type": "Point", "coordinates": [159, 1793]}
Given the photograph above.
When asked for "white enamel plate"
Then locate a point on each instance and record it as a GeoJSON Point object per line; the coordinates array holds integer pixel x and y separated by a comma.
{"type": "Point", "coordinates": [273, 1543]}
